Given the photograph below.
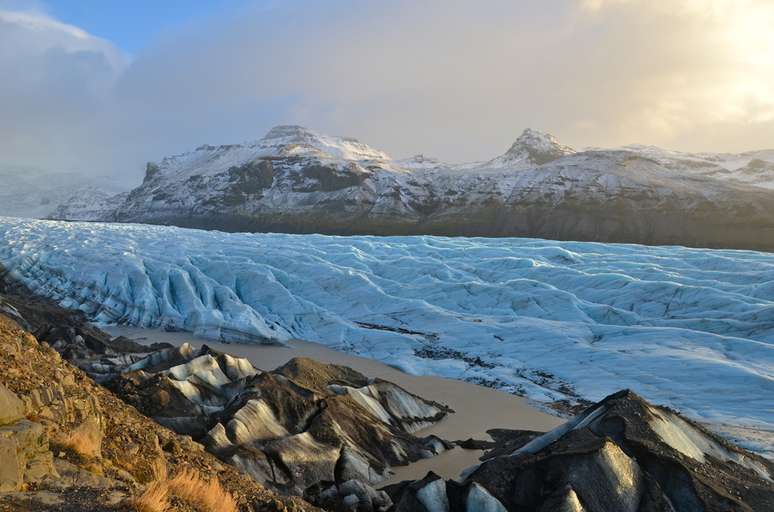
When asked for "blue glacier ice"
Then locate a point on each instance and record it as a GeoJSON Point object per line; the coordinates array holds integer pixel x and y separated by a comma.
{"type": "Point", "coordinates": [690, 328]}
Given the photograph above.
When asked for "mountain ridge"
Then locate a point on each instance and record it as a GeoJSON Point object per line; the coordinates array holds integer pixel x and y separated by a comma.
{"type": "Point", "coordinates": [300, 181]}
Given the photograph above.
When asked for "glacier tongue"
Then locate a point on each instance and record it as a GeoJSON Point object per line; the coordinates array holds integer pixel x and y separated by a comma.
{"type": "Point", "coordinates": [690, 328]}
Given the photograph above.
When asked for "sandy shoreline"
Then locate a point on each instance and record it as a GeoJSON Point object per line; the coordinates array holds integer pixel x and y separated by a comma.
{"type": "Point", "coordinates": [478, 409]}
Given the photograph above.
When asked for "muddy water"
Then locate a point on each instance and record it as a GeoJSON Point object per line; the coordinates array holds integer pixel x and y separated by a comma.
{"type": "Point", "coordinates": [477, 408]}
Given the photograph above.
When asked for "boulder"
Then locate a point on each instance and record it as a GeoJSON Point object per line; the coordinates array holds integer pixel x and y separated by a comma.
{"type": "Point", "coordinates": [425, 495]}
{"type": "Point", "coordinates": [11, 407]}
{"type": "Point", "coordinates": [11, 476]}
{"type": "Point", "coordinates": [349, 496]}
{"type": "Point", "coordinates": [24, 454]}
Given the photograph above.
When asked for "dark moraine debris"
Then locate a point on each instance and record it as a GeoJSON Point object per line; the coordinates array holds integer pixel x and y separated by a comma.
{"type": "Point", "coordinates": [622, 454]}
{"type": "Point", "coordinates": [506, 441]}
{"type": "Point", "coordinates": [301, 424]}
{"type": "Point", "coordinates": [475, 444]}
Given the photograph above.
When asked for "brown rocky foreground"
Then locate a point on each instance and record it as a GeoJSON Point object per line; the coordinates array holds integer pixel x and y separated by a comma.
{"type": "Point", "coordinates": [67, 443]}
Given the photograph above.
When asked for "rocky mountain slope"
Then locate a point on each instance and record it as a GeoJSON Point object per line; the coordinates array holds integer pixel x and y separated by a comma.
{"type": "Point", "coordinates": [295, 180]}
{"type": "Point", "coordinates": [67, 444]}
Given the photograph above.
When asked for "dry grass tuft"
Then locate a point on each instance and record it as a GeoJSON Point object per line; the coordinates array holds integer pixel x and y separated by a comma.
{"type": "Point", "coordinates": [154, 499]}
{"type": "Point", "coordinates": [187, 486]}
{"type": "Point", "coordinates": [85, 441]}
{"type": "Point", "coordinates": [208, 496]}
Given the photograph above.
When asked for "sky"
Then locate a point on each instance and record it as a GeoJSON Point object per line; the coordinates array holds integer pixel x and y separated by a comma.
{"type": "Point", "coordinates": [103, 87]}
{"type": "Point", "coordinates": [131, 26]}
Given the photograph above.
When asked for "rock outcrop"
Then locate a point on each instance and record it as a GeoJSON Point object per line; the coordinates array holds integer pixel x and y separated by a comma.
{"type": "Point", "coordinates": [67, 443]}
{"type": "Point", "coordinates": [24, 446]}
{"type": "Point", "coordinates": [531, 149]}
{"type": "Point", "coordinates": [290, 428]}
{"type": "Point", "coordinates": [621, 455]}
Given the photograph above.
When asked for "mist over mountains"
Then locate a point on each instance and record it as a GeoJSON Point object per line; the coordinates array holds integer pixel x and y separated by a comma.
{"type": "Point", "coordinates": [32, 192]}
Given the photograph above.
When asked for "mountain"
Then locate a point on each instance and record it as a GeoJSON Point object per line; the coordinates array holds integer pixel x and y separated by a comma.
{"type": "Point", "coordinates": [36, 193]}
{"type": "Point", "coordinates": [296, 180]}
{"type": "Point", "coordinates": [531, 149]}
{"type": "Point", "coordinates": [87, 203]}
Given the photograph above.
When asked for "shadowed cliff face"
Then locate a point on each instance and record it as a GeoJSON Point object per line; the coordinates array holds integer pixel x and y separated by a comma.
{"type": "Point", "coordinates": [709, 225]}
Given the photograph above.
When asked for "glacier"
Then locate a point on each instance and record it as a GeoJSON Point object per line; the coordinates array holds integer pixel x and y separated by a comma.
{"type": "Point", "coordinates": [689, 328]}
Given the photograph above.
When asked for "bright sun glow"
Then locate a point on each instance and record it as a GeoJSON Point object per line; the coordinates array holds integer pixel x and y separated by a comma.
{"type": "Point", "coordinates": [739, 35]}
{"type": "Point", "coordinates": [750, 38]}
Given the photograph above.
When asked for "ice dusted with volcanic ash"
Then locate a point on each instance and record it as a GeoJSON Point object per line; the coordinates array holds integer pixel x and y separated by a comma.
{"type": "Point", "coordinates": [621, 455]}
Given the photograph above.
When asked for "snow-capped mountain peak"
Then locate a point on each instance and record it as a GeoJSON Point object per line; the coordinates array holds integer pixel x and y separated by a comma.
{"type": "Point", "coordinates": [291, 132]}
{"type": "Point", "coordinates": [291, 140]}
{"type": "Point", "coordinates": [532, 148]}
{"type": "Point", "coordinates": [284, 141]}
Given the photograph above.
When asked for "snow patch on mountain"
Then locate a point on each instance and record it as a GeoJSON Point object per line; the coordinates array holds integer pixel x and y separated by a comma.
{"type": "Point", "coordinates": [88, 203]}
{"type": "Point", "coordinates": [280, 142]}
{"type": "Point", "coordinates": [531, 149]}
{"type": "Point", "coordinates": [294, 140]}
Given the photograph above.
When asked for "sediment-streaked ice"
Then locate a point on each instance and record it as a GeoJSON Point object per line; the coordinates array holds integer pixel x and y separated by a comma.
{"type": "Point", "coordinates": [690, 328]}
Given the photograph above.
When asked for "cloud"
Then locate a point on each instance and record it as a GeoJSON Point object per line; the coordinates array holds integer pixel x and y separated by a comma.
{"type": "Point", "coordinates": [455, 79]}
{"type": "Point", "coordinates": [56, 81]}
